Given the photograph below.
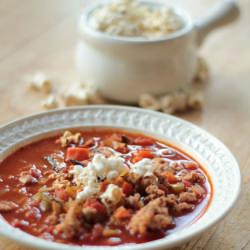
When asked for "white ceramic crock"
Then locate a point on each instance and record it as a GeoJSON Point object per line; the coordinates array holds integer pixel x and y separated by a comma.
{"type": "Point", "coordinates": [123, 68]}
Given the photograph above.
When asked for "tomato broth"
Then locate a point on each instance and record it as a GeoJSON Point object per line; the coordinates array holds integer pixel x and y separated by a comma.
{"type": "Point", "coordinates": [102, 187]}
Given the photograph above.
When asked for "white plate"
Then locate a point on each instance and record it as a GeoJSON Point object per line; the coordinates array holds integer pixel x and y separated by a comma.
{"type": "Point", "coordinates": [209, 151]}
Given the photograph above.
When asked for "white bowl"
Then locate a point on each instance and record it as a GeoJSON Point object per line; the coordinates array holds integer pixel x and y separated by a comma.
{"type": "Point", "coordinates": [209, 151]}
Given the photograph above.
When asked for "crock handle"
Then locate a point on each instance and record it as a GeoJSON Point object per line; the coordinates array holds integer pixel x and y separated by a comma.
{"type": "Point", "coordinates": [222, 14]}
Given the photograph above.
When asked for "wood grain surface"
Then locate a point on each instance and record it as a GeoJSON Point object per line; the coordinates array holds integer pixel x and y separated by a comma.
{"type": "Point", "coordinates": [40, 35]}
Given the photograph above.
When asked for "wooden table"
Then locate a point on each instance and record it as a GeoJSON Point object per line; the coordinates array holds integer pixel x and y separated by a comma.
{"type": "Point", "coordinates": [41, 35]}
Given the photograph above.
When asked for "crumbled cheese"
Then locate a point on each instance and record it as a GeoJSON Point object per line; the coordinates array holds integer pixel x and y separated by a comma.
{"type": "Point", "coordinates": [107, 167]}
{"type": "Point", "coordinates": [99, 168]}
{"type": "Point", "coordinates": [50, 102]}
{"type": "Point", "coordinates": [143, 167]}
{"type": "Point", "coordinates": [134, 19]}
{"type": "Point", "coordinates": [112, 195]}
{"type": "Point", "coordinates": [87, 192]}
{"type": "Point", "coordinates": [40, 82]}
{"type": "Point", "coordinates": [85, 177]}
{"type": "Point", "coordinates": [112, 174]}
{"type": "Point", "coordinates": [77, 171]}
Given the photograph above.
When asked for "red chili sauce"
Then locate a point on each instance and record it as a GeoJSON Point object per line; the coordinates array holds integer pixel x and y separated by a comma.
{"type": "Point", "coordinates": [102, 187]}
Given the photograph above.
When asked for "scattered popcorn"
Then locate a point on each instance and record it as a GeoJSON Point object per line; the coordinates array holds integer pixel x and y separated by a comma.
{"type": "Point", "coordinates": [75, 95]}
{"type": "Point", "coordinates": [50, 102]}
{"type": "Point", "coordinates": [83, 94]}
{"type": "Point", "coordinates": [169, 103]}
{"type": "Point", "coordinates": [40, 82]}
{"type": "Point", "coordinates": [179, 100]}
{"type": "Point", "coordinates": [202, 71]}
{"type": "Point", "coordinates": [149, 102]}
{"type": "Point", "coordinates": [134, 19]}
{"type": "Point", "coordinates": [196, 99]}
{"type": "Point", "coordinates": [94, 97]}
{"type": "Point", "coordinates": [166, 104]}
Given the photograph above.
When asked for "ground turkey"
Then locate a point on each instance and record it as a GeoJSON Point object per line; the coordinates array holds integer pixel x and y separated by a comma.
{"type": "Point", "coordinates": [153, 192]}
{"type": "Point", "coordinates": [134, 201]}
{"type": "Point", "coordinates": [188, 197]}
{"type": "Point", "coordinates": [72, 222]}
{"type": "Point", "coordinates": [153, 217]}
{"type": "Point", "coordinates": [194, 177]}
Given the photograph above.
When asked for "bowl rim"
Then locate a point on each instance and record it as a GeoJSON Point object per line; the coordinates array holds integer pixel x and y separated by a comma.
{"type": "Point", "coordinates": [26, 239]}
{"type": "Point", "coordinates": [87, 31]}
